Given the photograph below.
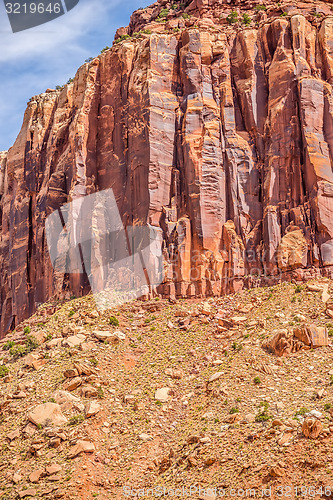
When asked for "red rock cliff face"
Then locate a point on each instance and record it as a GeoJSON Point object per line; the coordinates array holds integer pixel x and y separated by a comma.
{"type": "Point", "coordinates": [221, 135]}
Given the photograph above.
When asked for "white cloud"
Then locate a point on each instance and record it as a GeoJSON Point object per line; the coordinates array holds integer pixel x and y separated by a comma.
{"type": "Point", "coordinates": [48, 55]}
{"type": "Point", "coordinates": [48, 39]}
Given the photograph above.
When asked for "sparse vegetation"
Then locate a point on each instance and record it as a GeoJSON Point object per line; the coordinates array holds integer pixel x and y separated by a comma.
{"type": "Point", "coordinates": [163, 14]}
{"type": "Point", "coordinates": [246, 19]}
{"type": "Point", "coordinates": [100, 392]}
{"type": "Point", "coordinates": [8, 345]}
{"type": "Point", "coordinates": [76, 420]}
{"type": "Point", "coordinates": [232, 18]}
{"type": "Point", "coordinates": [263, 414]}
{"type": "Point", "coordinates": [260, 7]}
{"type": "Point", "coordinates": [114, 321]}
{"type": "Point", "coordinates": [3, 371]}
{"type": "Point", "coordinates": [302, 411]}
{"type": "Point", "coordinates": [234, 410]}
{"type": "Point", "coordinates": [257, 380]}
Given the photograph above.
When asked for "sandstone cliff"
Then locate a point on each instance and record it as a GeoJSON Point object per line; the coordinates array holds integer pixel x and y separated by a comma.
{"type": "Point", "coordinates": [212, 120]}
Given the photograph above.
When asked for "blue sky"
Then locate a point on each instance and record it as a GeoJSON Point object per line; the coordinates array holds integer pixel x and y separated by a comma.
{"type": "Point", "coordinates": [46, 56]}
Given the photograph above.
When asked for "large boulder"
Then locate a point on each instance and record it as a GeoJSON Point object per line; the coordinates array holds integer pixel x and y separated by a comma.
{"type": "Point", "coordinates": [47, 414]}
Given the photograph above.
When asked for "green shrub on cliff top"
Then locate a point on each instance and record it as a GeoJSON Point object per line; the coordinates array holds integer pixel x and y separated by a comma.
{"type": "Point", "coordinates": [232, 18]}
{"type": "Point", "coordinates": [246, 19]}
{"type": "Point", "coordinates": [163, 14]}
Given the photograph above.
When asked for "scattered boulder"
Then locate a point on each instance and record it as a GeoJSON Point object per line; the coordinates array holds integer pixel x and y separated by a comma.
{"type": "Point", "coordinates": [47, 414]}
{"type": "Point", "coordinates": [72, 384]}
{"type": "Point", "coordinates": [284, 343]}
{"type": "Point", "coordinates": [82, 447]}
{"type": "Point", "coordinates": [71, 373]}
{"type": "Point", "coordinates": [92, 408]}
{"type": "Point", "coordinates": [33, 361]}
{"type": "Point", "coordinates": [74, 340]}
{"type": "Point", "coordinates": [36, 475]}
{"type": "Point", "coordinates": [13, 435]}
{"type": "Point", "coordinates": [312, 428]}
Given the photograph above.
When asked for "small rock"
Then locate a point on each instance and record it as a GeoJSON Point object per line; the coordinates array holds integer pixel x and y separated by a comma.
{"type": "Point", "coordinates": [36, 475]}
{"type": "Point", "coordinates": [174, 373]}
{"type": "Point", "coordinates": [82, 447]}
{"type": "Point", "coordinates": [88, 391]}
{"type": "Point", "coordinates": [92, 408]}
{"type": "Point", "coordinates": [162, 394]}
{"type": "Point", "coordinates": [72, 384]}
{"type": "Point", "coordinates": [215, 376]}
{"type": "Point", "coordinates": [53, 469]}
{"type": "Point", "coordinates": [27, 493]}
{"type": "Point", "coordinates": [145, 437]}
{"type": "Point", "coordinates": [71, 373]}
{"type": "Point", "coordinates": [13, 435]}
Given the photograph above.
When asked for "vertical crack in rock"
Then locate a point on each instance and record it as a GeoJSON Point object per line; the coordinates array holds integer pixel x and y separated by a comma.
{"type": "Point", "coordinates": [220, 138]}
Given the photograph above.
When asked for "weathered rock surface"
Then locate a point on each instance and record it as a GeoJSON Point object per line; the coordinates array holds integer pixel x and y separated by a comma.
{"type": "Point", "coordinates": [47, 414]}
{"type": "Point", "coordinates": [220, 137]}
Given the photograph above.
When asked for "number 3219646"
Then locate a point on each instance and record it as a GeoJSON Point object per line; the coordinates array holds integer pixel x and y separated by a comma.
{"type": "Point", "coordinates": [304, 491]}
{"type": "Point", "coordinates": [33, 8]}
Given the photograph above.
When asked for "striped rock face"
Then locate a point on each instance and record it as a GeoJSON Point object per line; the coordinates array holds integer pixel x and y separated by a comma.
{"type": "Point", "coordinates": [216, 130]}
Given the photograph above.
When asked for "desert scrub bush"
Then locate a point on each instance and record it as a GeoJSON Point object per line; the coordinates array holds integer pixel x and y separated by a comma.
{"type": "Point", "coordinates": [257, 380]}
{"type": "Point", "coordinates": [27, 330]}
{"type": "Point", "coordinates": [283, 14]}
{"type": "Point", "coordinates": [186, 15]}
{"type": "Point", "coordinates": [114, 321]}
{"type": "Point", "coordinates": [263, 414]}
{"type": "Point", "coordinates": [100, 392]}
{"type": "Point", "coordinates": [70, 80]}
{"type": "Point", "coordinates": [3, 371]}
{"type": "Point", "coordinates": [260, 7]}
{"type": "Point", "coordinates": [302, 411]}
{"type": "Point", "coordinates": [31, 344]}
{"type": "Point", "coordinates": [246, 19]}
{"type": "Point", "coordinates": [233, 411]}
{"type": "Point", "coordinates": [17, 351]}
{"type": "Point", "coordinates": [89, 59]}
{"type": "Point", "coordinates": [117, 41]}
{"type": "Point", "coordinates": [77, 419]}
{"type": "Point", "coordinates": [8, 345]}
{"type": "Point", "coordinates": [298, 288]}
{"type": "Point", "coordinates": [232, 18]}
{"type": "Point", "coordinates": [163, 14]}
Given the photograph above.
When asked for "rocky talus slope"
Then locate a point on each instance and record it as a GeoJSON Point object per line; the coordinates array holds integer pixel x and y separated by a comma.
{"type": "Point", "coordinates": [210, 120]}
{"type": "Point", "coordinates": [161, 395]}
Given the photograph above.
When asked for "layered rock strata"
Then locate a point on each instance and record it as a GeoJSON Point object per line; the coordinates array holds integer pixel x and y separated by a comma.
{"type": "Point", "coordinates": [219, 133]}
